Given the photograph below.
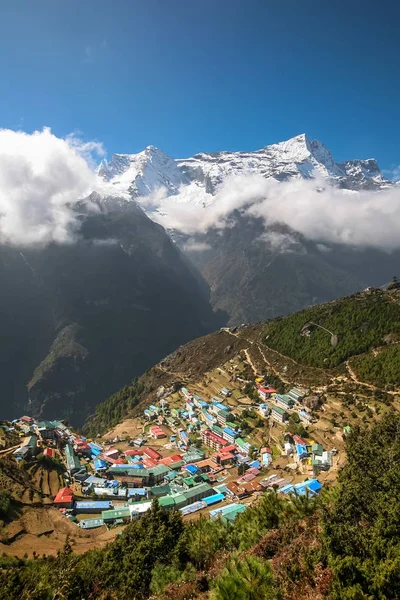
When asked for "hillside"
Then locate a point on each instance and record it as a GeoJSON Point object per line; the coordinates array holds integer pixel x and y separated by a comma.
{"type": "Point", "coordinates": [83, 319]}
{"type": "Point", "coordinates": [293, 350]}
{"type": "Point", "coordinates": [282, 542]}
{"type": "Point", "coordinates": [358, 323]}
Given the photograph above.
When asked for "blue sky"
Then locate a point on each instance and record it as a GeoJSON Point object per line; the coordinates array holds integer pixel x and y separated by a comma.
{"type": "Point", "coordinates": [193, 76]}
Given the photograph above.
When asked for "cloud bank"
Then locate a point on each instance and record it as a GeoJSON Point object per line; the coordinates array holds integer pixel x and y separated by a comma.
{"type": "Point", "coordinates": [314, 208]}
{"type": "Point", "coordinates": [41, 177]}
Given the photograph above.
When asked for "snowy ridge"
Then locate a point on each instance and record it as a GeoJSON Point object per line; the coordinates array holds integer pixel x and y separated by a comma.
{"type": "Point", "coordinates": [196, 180]}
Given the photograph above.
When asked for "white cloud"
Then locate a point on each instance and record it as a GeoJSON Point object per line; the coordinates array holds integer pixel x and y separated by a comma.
{"type": "Point", "coordinates": [314, 208]}
{"type": "Point", "coordinates": [41, 176]}
{"type": "Point", "coordinates": [193, 246]}
{"type": "Point", "coordinates": [281, 243]}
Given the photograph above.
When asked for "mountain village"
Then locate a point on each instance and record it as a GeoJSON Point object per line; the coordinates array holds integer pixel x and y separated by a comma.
{"type": "Point", "coordinates": [193, 453]}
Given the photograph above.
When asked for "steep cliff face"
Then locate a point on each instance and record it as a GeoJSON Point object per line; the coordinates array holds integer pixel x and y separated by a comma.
{"type": "Point", "coordinates": [83, 319]}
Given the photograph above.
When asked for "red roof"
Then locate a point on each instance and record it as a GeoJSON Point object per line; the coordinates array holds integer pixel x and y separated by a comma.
{"type": "Point", "coordinates": [170, 459]}
{"type": "Point", "coordinates": [26, 419]}
{"type": "Point", "coordinates": [298, 439]}
{"type": "Point", "coordinates": [134, 452]}
{"type": "Point", "coordinates": [64, 496]}
{"type": "Point", "coordinates": [149, 462]}
{"type": "Point", "coordinates": [111, 452]}
{"type": "Point", "coordinates": [48, 452]}
{"type": "Point", "coordinates": [152, 453]}
{"type": "Point", "coordinates": [267, 450]}
{"type": "Point", "coordinates": [223, 455]}
{"type": "Point", "coordinates": [215, 438]}
{"type": "Point", "coordinates": [112, 461]}
{"type": "Point", "coordinates": [267, 390]}
{"type": "Point", "coordinates": [230, 448]}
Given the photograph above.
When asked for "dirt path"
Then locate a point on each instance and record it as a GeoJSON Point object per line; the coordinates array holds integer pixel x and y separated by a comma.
{"type": "Point", "coordinates": [248, 358]}
{"type": "Point", "coordinates": [8, 450]}
{"type": "Point", "coordinates": [355, 378]}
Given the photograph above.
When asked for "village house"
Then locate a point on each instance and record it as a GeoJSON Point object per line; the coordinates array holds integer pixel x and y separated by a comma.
{"type": "Point", "coordinates": [265, 393]}
{"type": "Point", "coordinates": [64, 498]}
{"type": "Point", "coordinates": [213, 440]}
{"type": "Point", "coordinates": [46, 430]}
{"type": "Point", "coordinates": [73, 462]}
{"type": "Point", "coordinates": [229, 434]}
{"type": "Point", "coordinates": [157, 433]}
{"type": "Point", "coordinates": [264, 410]}
{"type": "Point", "coordinates": [27, 420]}
{"type": "Point", "coordinates": [28, 449]}
{"type": "Point", "coordinates": [223, 417]}
{"type": "Point", "coordinates": [296, 395]}
{"type": "Point", "coordinates": [224, 458]}
{"type": "Point", "coordinates": [278, 414]}
{"type": "Point", "coordinates": [305, 416]}
{"type": "Point", "coordinates": [284, 401]}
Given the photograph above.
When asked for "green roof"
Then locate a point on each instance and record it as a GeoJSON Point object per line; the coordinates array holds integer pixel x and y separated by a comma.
{"type": "Point", "coordinates": [189, 481]}
{"type": "Point", "coordinates": [158, 470]}
{"type": "Point", "coordinates": [218, 430]}
{"type": "Point", "coordinates": [73, 461]}
{"type": "Point", "coordinates": [119, 513]}
{"type": "Point", "coordinates": [176, 465]}
{"type": "Point", "coordinates": [317, 449]}
{"type": "Point", "coordinates": [240, 442]}
{"type": "Point", "coordinates": [233, 513]}
{"type": "Point", "coordinates": [179, 499]}
{"type": "Point", "coordinates": [196, 490]}
{"type": "Point", "coordinates": [285, 399]}
{"type": "Point", "coordinates": [278, 410]}
{"type": "Point", "coordinates": [89, 523]}
{"type": "Point", "coordinates": [32, 442]}
{"type": "Point", "coordinates": [166, 501]}
{"type": "Point", "coordinates": [171, 475]}
{"type": "Point", "coordinates": [160, 490]}
{"type": "Point", "coordinates": [129, 471]}
{"type": "Point", "coordinates": [45, 425]}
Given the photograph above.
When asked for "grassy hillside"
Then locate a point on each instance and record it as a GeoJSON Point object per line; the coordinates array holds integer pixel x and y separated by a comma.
{"type": "Point", "coordinates": [360, 322]}
{"type": "Point", "coordinates": [379, 368]}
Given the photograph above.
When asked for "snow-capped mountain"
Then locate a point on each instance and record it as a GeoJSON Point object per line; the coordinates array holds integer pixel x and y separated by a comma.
{"type": "Point", "coordinates": [282, 247]}
{"type": "Point", "coordinates": [197, 179]}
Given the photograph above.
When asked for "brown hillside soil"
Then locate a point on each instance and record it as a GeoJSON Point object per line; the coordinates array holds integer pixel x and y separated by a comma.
{"type": "Point", "coordinates": [54, 482]}
{"type": "Point", "coordinates": [44, 531]}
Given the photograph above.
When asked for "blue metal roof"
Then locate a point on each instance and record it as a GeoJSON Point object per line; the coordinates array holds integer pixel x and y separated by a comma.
{"type": "Point", "coordinates": [255, 464]}
{"type": "Point", "coordinates": [219, 406]}
{"type": "Point", "coordinates": [213, 499]}
{"type": "Point", "coordinates": [229, 431]}
{"type": "Point", "coordinates": [99, 463]}
{"type": "Point", "coordinates": [137, 492]}
{"type": "Point", "coordinates": [95, 504]}
{"type": "Point", "coordinates": [130, 466]}
{"type": "Point", "coordinates": [95, 480]}
{"type": "Point", "coordinates": [192, 469]}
